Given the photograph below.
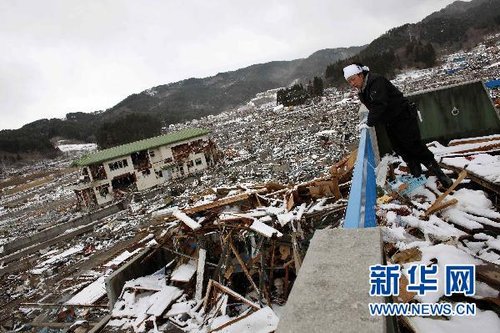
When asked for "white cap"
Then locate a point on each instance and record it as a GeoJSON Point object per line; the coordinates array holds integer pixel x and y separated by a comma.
{"type": "Point", "coordinates": [354, 69]}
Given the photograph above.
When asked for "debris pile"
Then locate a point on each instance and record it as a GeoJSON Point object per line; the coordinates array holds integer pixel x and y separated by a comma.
{"type": "Point", "coordinates": [429, 225]}
{"type": "Point", "coordinates": [236, 254]}
{"type": "Point", "coordinates": [235, 246]}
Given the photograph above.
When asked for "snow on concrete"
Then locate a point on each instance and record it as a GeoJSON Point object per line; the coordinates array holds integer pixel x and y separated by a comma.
{"type": "Point", "coordinates": [90, 294]}
{"type": "Point", "coordinates": [184, 272]}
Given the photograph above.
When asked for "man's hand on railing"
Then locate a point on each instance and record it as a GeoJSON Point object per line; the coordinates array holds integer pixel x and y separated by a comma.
{"type": "Point", "coordinates": [362, 126]}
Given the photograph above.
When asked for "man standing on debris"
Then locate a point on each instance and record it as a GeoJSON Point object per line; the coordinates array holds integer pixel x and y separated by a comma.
{"type": "Point", "coordinates": [387, 105]}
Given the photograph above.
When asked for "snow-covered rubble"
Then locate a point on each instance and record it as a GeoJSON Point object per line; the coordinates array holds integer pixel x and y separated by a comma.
{"type": "Point", "coordinates": [262, 144]}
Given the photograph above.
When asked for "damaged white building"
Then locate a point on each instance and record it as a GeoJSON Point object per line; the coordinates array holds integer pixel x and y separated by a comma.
{"type": "Point", "coordinates": [143, 164]}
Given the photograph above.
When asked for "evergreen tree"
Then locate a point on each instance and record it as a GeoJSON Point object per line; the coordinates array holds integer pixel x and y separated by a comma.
{"type": "Point", "coordinates": [318, 87]}
{"type": "Point", "coordinates": [295, 95]}
{"type": "Point", "coordinates": [127, 129]}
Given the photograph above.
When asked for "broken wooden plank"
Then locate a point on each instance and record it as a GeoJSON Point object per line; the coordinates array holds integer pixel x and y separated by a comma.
{"type": "Point", "coordinates": [264, 229]}
{"type": "Point", "coordinates": [457, 142]}
{"type": "Point", "coordinates": [475, 178]}
{"type": "Point", "coordinates": [202, 254]}
{"type": "Point", "coordinates": [243, 266]}
{"type": "Point", "coordinates": [486, 147]}
{"type": "Point", "coordinates": [232, 293]}
{"type": "Point", "coordinates": [489, 274]}
{"type": "Point", "coordinates": [224, 201]}
{"type": "Point", "coordinates": [163, 299]}
{"type": "Point", "coordinates": [183, 273]}
{"type": "Point", "coordinates": [439, 207]}
{"type": "Point", "coordinates": [345, 165]}
{"type": "Point", "coordinates": [244, 315]}
{"type": "Point", "coordinates": [436, 203]}
{"type": "Point", "coordinates": [296, 254]}
{"type": "Point", "coordinates": [186, 220]}
{"type": "Point", "coordinates": [289, 200]}
{"type": "Point", "coordinates": [207, 294]}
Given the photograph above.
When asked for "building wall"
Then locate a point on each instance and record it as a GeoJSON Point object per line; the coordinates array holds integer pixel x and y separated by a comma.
{"type": "Point", "coordinates": [118, 166]}
{"type": "Point", "coordinates": [146, 179]}
{"type": "Point", "coordinates": [103, 197]}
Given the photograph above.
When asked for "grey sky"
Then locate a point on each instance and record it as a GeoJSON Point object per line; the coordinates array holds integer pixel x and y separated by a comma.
{"type": "Point", "coordinates": [61, 56]}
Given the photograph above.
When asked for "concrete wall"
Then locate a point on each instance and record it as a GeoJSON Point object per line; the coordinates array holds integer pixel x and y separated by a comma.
{"type": "Point", "coordinates": [102, 200]}
{"type": "Point", "coordinates": [145, 180]}
{"type": "Point", "coordinates": [120, 171]}
{"type": "Point", "coordinates": [144, 263]}
{"type": "Point", "coordinates": [331, 292]}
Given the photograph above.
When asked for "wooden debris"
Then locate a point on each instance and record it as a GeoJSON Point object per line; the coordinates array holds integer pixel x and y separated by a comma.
{"type": "Point", "coordinates": [404, 295]}
{"type": "Point", "coordinates": [457, 142]}
{"type": "Point", "coordinates": [489, 274]}
{"type": "Point", "coordinates": [224, 201]}
{"type": "Point", "coordinates": [243, 267]}
{"type": "Point", "coordinates": [438, 201]}
{"type": "Point", "coordinates": [187, 220]}
{"type": "Point", "coordinates": [406, 256]}
{"type": "Point", "coordinates": [384, 199]}
{"type": "Point", "coordinates": [441, 206]}
{"type": "Point", "coordinates": [289, 202]}
{"type": "Point", "coordinates": [345, 166]}
{"type": "Point", "coordinates": [296, 254]}
{"type": "Point", "coordinates": [215, 284]}
{"type": "Point", "coordinates": [325, 188]}
{"type": "Point", "coordinates": [264, 229]}
{"type": "Point", "coordinates": [200, 270]}
{"type": "Point", "coordinates": [57, 305]}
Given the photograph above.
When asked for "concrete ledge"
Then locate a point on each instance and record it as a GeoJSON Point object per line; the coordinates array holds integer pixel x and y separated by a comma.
{"type": "Point", "coordinates": [331, 292]}
{"type": "Point", "coordinates": [144, 263]}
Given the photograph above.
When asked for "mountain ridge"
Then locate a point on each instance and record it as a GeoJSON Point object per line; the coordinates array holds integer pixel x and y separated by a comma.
{"type": "Point", "coordinates": [197, 97]}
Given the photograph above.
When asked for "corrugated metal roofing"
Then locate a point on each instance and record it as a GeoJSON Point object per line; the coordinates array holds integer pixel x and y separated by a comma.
{"type": "Point", "coordinates": [129, 148]}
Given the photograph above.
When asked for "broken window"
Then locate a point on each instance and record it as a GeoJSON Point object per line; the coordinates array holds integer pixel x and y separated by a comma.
{"type": "Point", "coordinates": [115, 165]}
{"type": "Point", "coordinates": [97, 171]}
{"type": "Point", "coordinates": [181, 152]}
{"type": "Point", "coordinates": [151, 153]}
{"type": "Point", "coordinates": [180, 168]}
{"type": "Point", "coordinates": [190, 164]}
{"type": "Point", "coordinates": [85, 175]}
{"type": "Point", "coordinates": [123, 181]}
{"type": "Point", "coordinates": [140, 160]}
{"type": "Point", "coordinates": [168, 160]}
{"type": "Point", "coordinates": [198, 161]}
{"type": "Point", "coordinates": [118, 165]}
{"type": "Point", "coordinates": [103, 190]}
{"type": "Point", "coordinates": [86, 197]}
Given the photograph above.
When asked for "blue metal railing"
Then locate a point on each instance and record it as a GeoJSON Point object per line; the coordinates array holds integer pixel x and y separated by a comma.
{"type": "Point", "coordinates": [363, 195]}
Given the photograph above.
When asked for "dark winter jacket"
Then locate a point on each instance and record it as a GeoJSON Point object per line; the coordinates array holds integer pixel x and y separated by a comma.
{"type": "Point", "coordinates": [387, 105]}
{"type": "Point", "coordinates": [384, 101]}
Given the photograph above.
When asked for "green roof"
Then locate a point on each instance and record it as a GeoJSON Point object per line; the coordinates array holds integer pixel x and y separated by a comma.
{"type": "Point", "coordinates": [129, 148]}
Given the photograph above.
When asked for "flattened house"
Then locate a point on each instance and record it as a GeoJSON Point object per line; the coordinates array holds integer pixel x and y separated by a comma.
{"type": "Point", "coordinates": [142, 164]}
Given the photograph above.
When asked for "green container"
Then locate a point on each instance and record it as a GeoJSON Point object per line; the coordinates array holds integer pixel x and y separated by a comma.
{"type": "Point", "coordinates": [452, 112]}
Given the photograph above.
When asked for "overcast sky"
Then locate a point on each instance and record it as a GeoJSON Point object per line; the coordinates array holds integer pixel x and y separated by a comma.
{"type": "Point", "coordinates": [61, 56]}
